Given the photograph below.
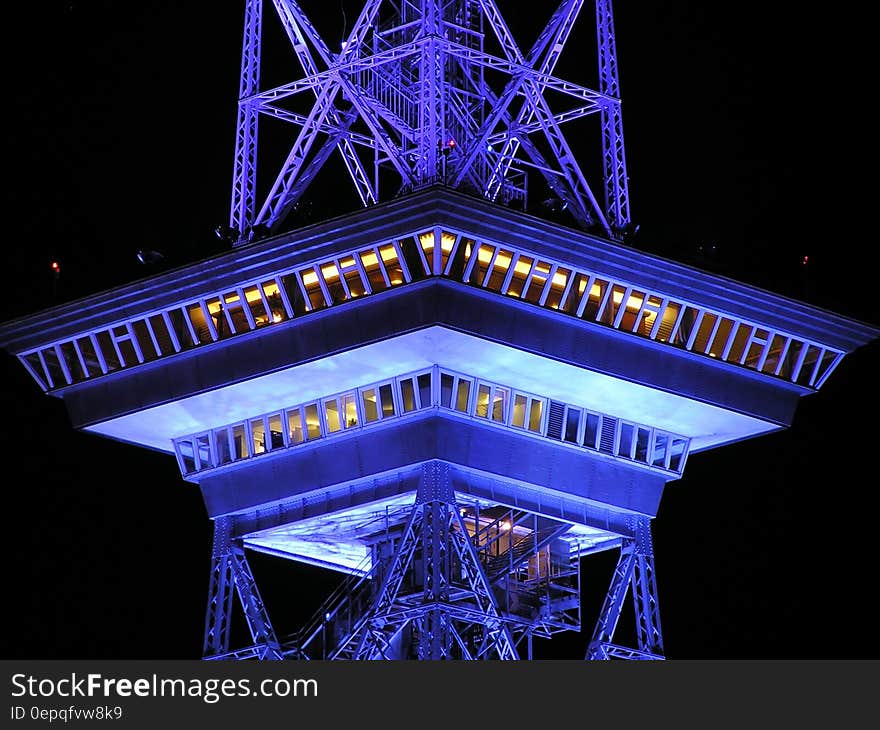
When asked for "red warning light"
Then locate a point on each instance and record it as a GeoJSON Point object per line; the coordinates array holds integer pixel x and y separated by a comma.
{"type": "Point", "coordinates": [451, 143]}
{"type": "Point", "coordinates": [805, 260]}
{"type": "Point", "coordinates": [55, 266]}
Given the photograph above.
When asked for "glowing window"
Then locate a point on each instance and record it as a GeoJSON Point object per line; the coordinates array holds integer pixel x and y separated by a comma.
{"type": "Point", "coordinates": [536, 410]}
{"type": "Point", "coordinates": [374, 270]}
{"type": "Point", "coordinates": [668, 321]}
{"type": "Point", "coordinates": [313, 421]}
{"type": "Point", "coordinates": [391, 262]}
{"type": "Point", "coordinates": [256, 307]}
{"type": "Point", "coordinates": [500, 399]}
{"type": "Point", "coordinates": [218, 315]}
{"type": "Point", "coordinates": [352, 276]}
{"type": "Point", "coordinates": [558, 286]}
{"type": "Point", "coordinates": [331, 415]}
{"type": "Point", "coordinates": [199, 327]}
{"type": "Point", "coordinates": [239, 442]}
{"type": "Point", "coordinates": [500, 267]}
{"type": "Point", "coordinates": [371, 407]}
{"type": "Point", "coordinates": [537, 282]}
{"type": "Point", "coordinates": [518, 418]}
{"type": "Point", "coordinates": [296, 432]}
{"type": "Point", "coordinates": [349, 410]}
{"type": "Point", "coordinates": [595, 297]}
{"type": "Point", "coordinates": [311, 286]}
{"type": "Point", "coordinates": [482, 405]}
{"type": "Point", "coordinates": [258, 436]}
{"type": "Point", "coordinates": [520, 273]}
{"type": "Point", "coordinates": [407, 395]}
{"type": "Point", "coordinates": [332, 279]}
{"type": "Point", "coordinates": [276, 432]}
{"type": "Point", "coordinates": [478, 265]}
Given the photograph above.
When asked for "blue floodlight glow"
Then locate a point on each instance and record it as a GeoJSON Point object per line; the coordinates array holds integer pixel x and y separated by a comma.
{"type": "Point", "coordinates": [706, 425]}
{"type": "Point", "coordinates": [448, 401]}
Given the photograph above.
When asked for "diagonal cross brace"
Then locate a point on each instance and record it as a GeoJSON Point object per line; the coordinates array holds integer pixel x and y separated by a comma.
{"type": "Point", "coordinates": [295, 21]}
{"type": "Point", "coordinates": [230, 570]}
{"type": "Point", "coordinates": [635, 567]}
{"type": "Point", "coordinates": [576, 192]}
{"type": "Point", "coordinates": [500, 105]}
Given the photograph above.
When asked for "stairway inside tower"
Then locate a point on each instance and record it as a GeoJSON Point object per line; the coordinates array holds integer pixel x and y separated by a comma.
{"type": "Point", "coordinates": [524, 571]}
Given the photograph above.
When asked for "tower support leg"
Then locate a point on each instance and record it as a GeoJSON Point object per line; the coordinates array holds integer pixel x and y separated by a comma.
{"type": "Point", "coordinates": [435, 587]}
{"type": "Point", "coordinates": [635, 567]}
{"type": "Point", "coordinates": [220, 592]}
{"type": "Point", "coordinates": [230, 572]}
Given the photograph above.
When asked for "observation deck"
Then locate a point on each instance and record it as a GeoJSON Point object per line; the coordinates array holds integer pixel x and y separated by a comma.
{"type": "Point", "coordinates": [432, 368]}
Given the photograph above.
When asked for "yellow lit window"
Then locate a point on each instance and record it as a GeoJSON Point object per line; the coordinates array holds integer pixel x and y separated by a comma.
{"type": "Point", "coordinates": [313, 423]}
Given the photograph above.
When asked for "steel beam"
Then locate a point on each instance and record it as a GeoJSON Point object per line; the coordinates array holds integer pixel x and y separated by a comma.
{"type": "Point", "coordinates": [413, 85]}
{"type": "Point", "coordinates": [244, 175]}
{"type": "Point", "coordinates": [436, 534]}
{"type": "Point", "coordinates": [635, 567]}
{"type": "Point", "coordinates": [230, 572]}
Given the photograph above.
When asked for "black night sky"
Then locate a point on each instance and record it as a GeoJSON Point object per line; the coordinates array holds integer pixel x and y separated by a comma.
{"type": "Point", "coordinates": [745, 131]}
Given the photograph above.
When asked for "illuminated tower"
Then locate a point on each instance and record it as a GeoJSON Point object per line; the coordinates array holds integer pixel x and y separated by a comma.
{"type": "Point", "coordinates": [450, 401]}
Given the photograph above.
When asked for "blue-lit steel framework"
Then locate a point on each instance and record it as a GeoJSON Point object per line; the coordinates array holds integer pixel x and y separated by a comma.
{"type": "Point", "coordinates": [407, 102]}
{"type": "Point", "coordinates": [448, 581]}
{"type": "Point", "coordinates": [448, 401]}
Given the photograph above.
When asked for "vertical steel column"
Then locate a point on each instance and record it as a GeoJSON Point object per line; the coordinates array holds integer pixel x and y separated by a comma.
{"type": "Point", "coordinates": [244, 175]}
{"type": "Point", "coordinates": [230, 570]}
{"type": "Point", "coordinates": [644, 586]}
{"type": "Point", "coordinates": [613, 604]}
{"type": "Point", "coordinates": [634, 567]}
{"type": "Point", "coordinates": [435, 638]}
{"type": "Point", "coordinates": [418, 594]}
{"type": "Point", "coordinates": [431, 101]}
{"type": "Point", "coordinates": [220, 593]}
{"type": "Point", "coordinates": [613, 152]}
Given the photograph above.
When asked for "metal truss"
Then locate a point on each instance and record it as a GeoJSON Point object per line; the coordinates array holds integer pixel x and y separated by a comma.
{"type": "Point", "coordinates": [407, 101]}
{"type": "Point", "coordinates": [455, 613]}
{"type": "Point", "coordinates": [613, 155]}
{"type": "Point", "coordinates": [635, 569]}
{"type": "Point", "coordinates": [244, 175]}
{"type": "Point", "coordinates": [445, 584]}
{"type": "Point", "coordinates": [230, 571]}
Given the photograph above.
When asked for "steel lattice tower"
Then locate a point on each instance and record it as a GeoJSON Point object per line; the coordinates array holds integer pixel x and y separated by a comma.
{"type": "Point", "coordinates": [409, 94]}
{"type": "Point", "coordinates": [450, 401]}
